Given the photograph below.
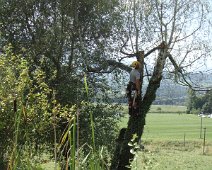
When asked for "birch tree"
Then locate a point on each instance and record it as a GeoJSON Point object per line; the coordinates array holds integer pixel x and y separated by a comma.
{"type": "Point", "coordinates": [174, 35]}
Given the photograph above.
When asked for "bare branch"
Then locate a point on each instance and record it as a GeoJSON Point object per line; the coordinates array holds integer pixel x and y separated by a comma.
{"type": "Point", "coordinates": [111, 63]}
{"type": "Point", "coordinates": [151, 51]}
{"type": "Point", "coordinates": [192, 33]}
{"type": "Point", "coordinates": [124, 45]}
{"type": "Point", "coordinates": [187, 52]}
{"type": "Point", "coordinates": [173, 23]}
{"type": "Point", "coordinates": [160, 18]}
{"type": "Point", "coordinates": [119, 65]}
{"type": "Point", "coordinates": [136, 27]}
{"type": "Point", "coordinates": [128, 56]}
{"type": "Point", "coordinates": [147, 73]}
{"type": "Point", "coordinates": [192, 62]}
{"type": "Point", "coordinates": [156, 78]}
{"type": "Point", "coordinates": [179, 70]}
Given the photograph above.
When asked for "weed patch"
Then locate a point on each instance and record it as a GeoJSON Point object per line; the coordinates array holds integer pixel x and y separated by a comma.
{"type": "Point", "coordinates": [160, 155]}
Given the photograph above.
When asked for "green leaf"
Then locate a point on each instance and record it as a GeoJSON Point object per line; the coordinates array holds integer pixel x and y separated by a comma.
{"type": "Point", "coordinates": [86, 85]}
{"type": "Point", "coordinates": [132, 151]}
{"type": "Point", "coordinates": [130, 144]}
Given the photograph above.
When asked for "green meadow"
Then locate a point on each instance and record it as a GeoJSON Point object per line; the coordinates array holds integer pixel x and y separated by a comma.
{"type": "Point", "coordinates": [177, 127]}
{"type": "Point", "coordinates": [174, 140]}
{"type": "Point", "coordinates": [171, 123]}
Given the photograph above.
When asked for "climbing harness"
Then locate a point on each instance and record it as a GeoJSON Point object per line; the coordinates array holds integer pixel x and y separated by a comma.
{"type": "Point", "coordinates": [133, 99]}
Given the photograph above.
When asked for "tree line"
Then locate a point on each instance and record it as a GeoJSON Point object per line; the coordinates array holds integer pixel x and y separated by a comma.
{"type": "Point", "coordinates": [200, 103]}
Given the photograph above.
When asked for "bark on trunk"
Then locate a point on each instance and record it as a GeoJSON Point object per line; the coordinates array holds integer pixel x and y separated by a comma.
{"type": "Point", "coordinates": [122, 155]}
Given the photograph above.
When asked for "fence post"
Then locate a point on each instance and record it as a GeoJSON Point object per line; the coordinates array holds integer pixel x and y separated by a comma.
{"type": "Point", "coordinates": [201, 128]}
{"type": "Point", "coordinates": [204, 141]}
{"type": "Point", "coordinates": [184, 139]}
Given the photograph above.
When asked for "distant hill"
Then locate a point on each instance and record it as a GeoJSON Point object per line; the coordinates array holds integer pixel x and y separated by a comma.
{"type": "Point", "coordinates": [169, 93]}
{"type": "Point", "coordinates": [172, 93]}
{"type": "Point", "coordinates": [202, 78]}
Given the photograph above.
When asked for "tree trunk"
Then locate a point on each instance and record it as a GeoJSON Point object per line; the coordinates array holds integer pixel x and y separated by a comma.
{"type": "Point", "coordinates": [122, 156]}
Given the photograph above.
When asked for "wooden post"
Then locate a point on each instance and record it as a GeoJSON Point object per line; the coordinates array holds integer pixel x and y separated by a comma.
{"type": "Point", "coordinates": [204, 141]}
{"type": "Point", "coordinates": [201, 128]}
{"type": "Point", "coordinates": [184, 139]}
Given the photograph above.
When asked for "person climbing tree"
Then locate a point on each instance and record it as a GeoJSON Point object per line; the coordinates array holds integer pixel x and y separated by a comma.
{"type": "Point", "coordinates": [133, 89]}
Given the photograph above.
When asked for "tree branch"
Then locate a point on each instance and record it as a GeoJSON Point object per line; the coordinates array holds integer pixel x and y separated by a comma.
{"type": "Point", "coordinates": [173, 24]}
{"type": "Point", "coordinates": [115, 64]}
{"type": "Point", "coordinates": [178, 69]}
{"type": "Point", "coordinates": [155, 80]}
{"type": "Point", "coordinates": [119, 65]}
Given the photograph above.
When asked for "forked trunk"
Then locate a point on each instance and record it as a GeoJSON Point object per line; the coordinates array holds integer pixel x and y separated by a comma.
{"type": "Point", "coordinates": [122, 156]}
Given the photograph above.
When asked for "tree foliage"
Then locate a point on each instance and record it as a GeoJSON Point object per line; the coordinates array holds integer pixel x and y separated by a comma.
{"type": "Point", "coordinates": [30, 115]}
{"type": "Point", "coordinates": [199, 103]}
{"type": "Point", "coordinates": [25, 107]}
{"type": "Point", "coordinates": [66, 40]}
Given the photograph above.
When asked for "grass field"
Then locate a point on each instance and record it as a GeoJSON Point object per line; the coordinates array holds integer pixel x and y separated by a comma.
{"type": "Point", "coordinates": [172, 140]}
{"type": "Point", "coordinates": [175, 126]}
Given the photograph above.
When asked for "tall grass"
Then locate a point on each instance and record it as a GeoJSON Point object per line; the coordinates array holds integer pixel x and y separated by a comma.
{"type": "Point", "coordinates": [91, 113]}
{"type": "Point", "coordinates": [13, 161]}
{"type": "Point", "coordinates": [20, 155]}
{"type": "Point", "coordinates": [94, 160]}
{"type": "Point", "coordinates": [75, 158]}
